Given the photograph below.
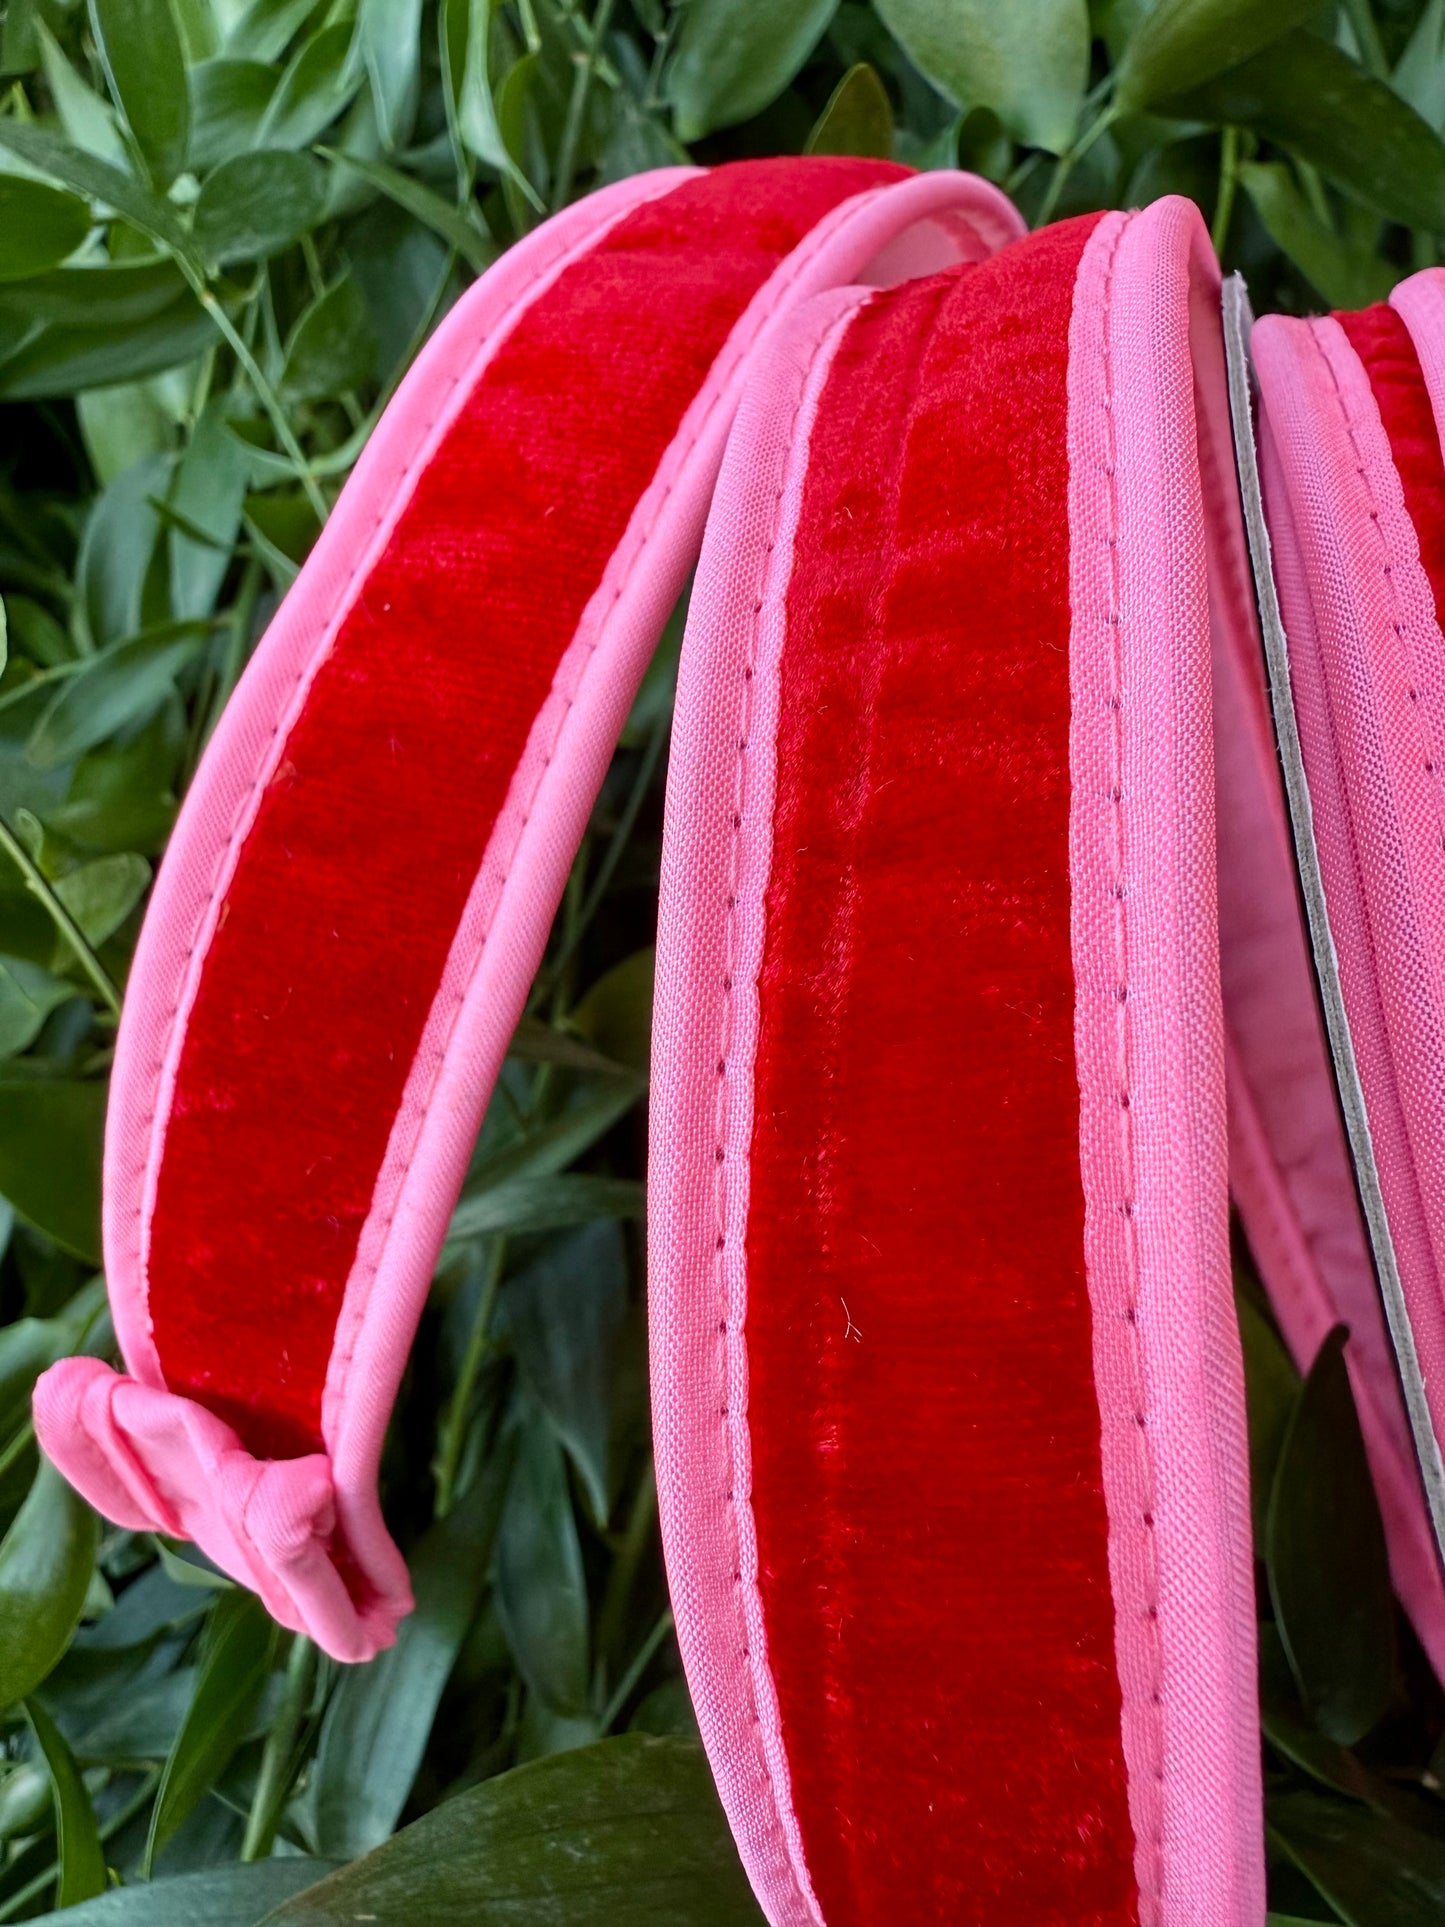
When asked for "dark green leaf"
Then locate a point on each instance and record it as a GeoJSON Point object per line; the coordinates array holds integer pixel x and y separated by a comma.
{"type": "Point", "coordinates": [567, 1312]}
{"type": "Point", "coordinates": [255, 205]}
{"type": "Point", "coordinates": [117, 689]}
{"type": "Point", "coordinates": [50, 1134]}
{"type": "Point", "coordinates": [39, 226]}
{"type": "Point", "coordinates": [734, 56]}
{"type": "Point", "coordinates": [229, 99]}
{"type": "Point", "coordinates": [459, 230]}
{"type": "Point", "coordinates": [381, 1714]}
{"type": "Point", "coordinates": [1271, 1385]}
{"type": "Point", "coordinates": [140, 44]}
{"type": "Point", "coordinates": [46, 1559]}
{"type": "Point", "coordinates": [333, 348]}
{"type": "Point", "coordinates": [544, 1204]}
{"type": "Point", "coordinates": [1373, 1871]}
{"type": "Point", "coordinates": [858, 119]}
{"type": "Point", "coordinates": [627, 1833]}
{"type": "Point", "coordinates": [1182, 43]}
{"type": "Point", "coordinates": [92, 326]}
{"type": "Point", "coordinates": [1307, 95]}
{"type": "Point", "coordinates": [85, 118]}
{"type": "Point", "coordinates": [79, 1851]}
{"type": "Point", "coordinates": [1419, 75]}
{"type": "Point", "coordinates": [1347, 276]}
{"type": "Point", "coordinates": [241, 1644]}
{"type": "Point", "coordinates": [72, 167]}
{"type": "Point", "coordinates": [554, 1145]}
{"type": "Point", "coordinates": [541, 1591]}
{"type": "Point", "coordinates": [1028, 61]}
{"type": "Point", "coordinates": [319, 84]}
{"type": "Point", "coordinates": [234, 1896]}
{"type": "Point", "coordinates": [100, 895]}
{"type": "Point", "coordinates": [1325, 1548]}
{"type": "Point", "coordinates": [28, 994]}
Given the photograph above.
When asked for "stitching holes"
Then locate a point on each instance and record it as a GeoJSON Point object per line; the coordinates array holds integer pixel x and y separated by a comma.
{"type": "Point", "coordinates": [1118, 898]}
{"type": "Point", "coordinates": [1399, 627]}
{"type": "Point", "coordinates": [734, 1414]}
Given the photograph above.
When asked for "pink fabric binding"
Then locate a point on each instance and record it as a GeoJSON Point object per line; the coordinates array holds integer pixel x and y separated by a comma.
{"type": "Point", "coordinates": [1368, 672]}
{"type": "Point", "coordinates": [1144, 531]}
{"type": "Point", "coordinates": [86, 1418]}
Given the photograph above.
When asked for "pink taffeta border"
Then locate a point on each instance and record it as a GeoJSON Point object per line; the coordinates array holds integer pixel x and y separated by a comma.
{"type": "Point", "coordinates": [1147, 414]}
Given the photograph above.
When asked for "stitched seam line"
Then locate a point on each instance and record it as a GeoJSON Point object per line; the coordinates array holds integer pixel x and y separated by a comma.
{"type": "Point", "coordinates": [1153, 1712]}
{"type": "Point", "coordinates": [632, 547]}
{"type": "Point", "coordinates": [734, 1413]}
{"type": "Point", "coordinates": [396, 498]}
{"type": "Point", "coordinates": [1408, 645]}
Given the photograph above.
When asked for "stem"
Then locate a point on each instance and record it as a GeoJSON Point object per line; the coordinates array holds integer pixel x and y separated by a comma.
{"type": "Point", "coordinates": [454, 1424]}
{"type": "Point", "coordinates": [614, 852]}
{"type": "Point", "coordinates": [278, 1762]}
{"type": "Point", "coordinates": [1228, 185]}
{"type": "Point", "coordinates": [40, 886]}
{"type": "Point", "coordinates": [627, 1685]}
{"type": "Point", "coordinates": [1070, 159]}
{"type": "Point", "coordinates": [582, 79]}
{"type": "Point", "coordinates": [265, 393]}
{"type": "Point", "coordinates": [636, 1538]}
{"type": "Point", "coordinates": [17, 1447]}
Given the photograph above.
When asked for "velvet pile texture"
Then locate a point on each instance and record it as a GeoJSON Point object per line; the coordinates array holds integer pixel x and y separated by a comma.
{"type": "Point", "coordinates": [350, 885]}
{"type": "Point", "coordinates": [925, 1433]}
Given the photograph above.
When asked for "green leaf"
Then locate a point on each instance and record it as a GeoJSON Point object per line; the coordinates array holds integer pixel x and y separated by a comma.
{"type": "Point", "coordinates": [121, 425]}
{"type": "Point", "coordinates": [1329, 1576]}
{"type": "Point", "coordinates": [389, 35]}
{"type": "Point", "coordinates": [240, 1647]}
{"type": "Point", "coordinates": [1028, 61]}
{"type": "Point", "coordinates": [39, 226]}
{"type": "Point", "coordinates": [208, 489]}
{"type": "Point", "coordinates": [1373, 1871]}
{"type": "Point", "coordinates": [541, 1589]}
{"type": "Point", "coordinates": [1309, 97]}
{"type": "Point", "coordinates": [235, 1896]}
{"type": "Point", "coordinates": [473, 245]}
{"type": "Point", "coordinates": [1271, 1386]}
{"type": "Point", "coordinates": [627, 1833]}
{"type": "Point", "coordinates": [616, 1014]}
{"type": "Point", "coordinates": [734, 56]}
{"type": "Point", "coordinates": [567, 1312]}
{"type": "Point", "coordinates": [140, 47]}
{"type": "Point", "coordinates": [50, 1132]}
{"type": "Point", "coordinates": [117, 689]}
{"type": "Point", "coordinates": [229, 102]}
{"type": "Point", "coordinates": [46, 1559]}
{"type": "Point", "coordinates": [465, 35]}
{"type": "Point", "coordinates": [858, 118]}
{"type": "Point", "coordinates": [318, 85]}
{"type": "Point", "coordinates": [333, 347]}
{"type": "Point", "coordinates": [28, 994]}
{"type": "Point", "coordinates": [1345, 275]}
{"type": "Point", "coordinates": [72, 167]}
{"type": "Point", "coordinates": [1182, 43]}
{"type": "Point", "coordinates": [85, 118]}
{"type": "Point", "coordinates": [116, 548]}
{"type": "Point", "coordinates": [254, 205]}
{"type": "Point", "coordinates": [380, 1715]}
{"type": "Point", "coordinates": [79, 1850]}
{"type": "Point", "coordinates": [552, 1146]}
{"type": "Point", "coordinates": [29, 1346]}
{"type": "Point", "coordinates": [100, 895]}
{"type": "Point", "coordinates": [1419, 76]}
{"type": "Point", "coordinates": [530, 1204]}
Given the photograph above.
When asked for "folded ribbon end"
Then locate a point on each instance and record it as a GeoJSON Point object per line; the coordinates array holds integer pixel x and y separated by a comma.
{"type": "Point", "coordinates": [152, 1460]}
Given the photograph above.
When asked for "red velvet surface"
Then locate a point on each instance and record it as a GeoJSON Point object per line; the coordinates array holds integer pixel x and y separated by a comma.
{"type": "Point", "coordinates": [1382, 341]}
{"type": "Point", "coordinates": [925, 1434]}
{"type": "Point", "coordinates": [343, 906]}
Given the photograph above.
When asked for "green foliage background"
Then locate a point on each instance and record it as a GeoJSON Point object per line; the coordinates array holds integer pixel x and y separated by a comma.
{"type": "Point", "coordinates": [226, 226]}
